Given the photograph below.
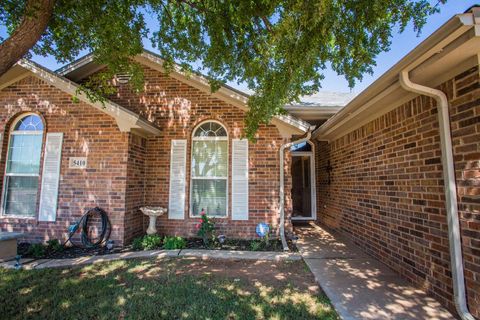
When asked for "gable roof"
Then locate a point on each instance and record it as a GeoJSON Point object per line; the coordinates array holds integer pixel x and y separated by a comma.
{"type": "Point", "coordinates": [287, 124]}
{"type": "Point", "coordinates": [126, 119]}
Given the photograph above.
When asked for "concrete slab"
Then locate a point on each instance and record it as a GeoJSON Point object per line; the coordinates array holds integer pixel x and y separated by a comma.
{"type": "Point", "coordinates": [62, 263]}
{"type": "Point", "coordinates": [317, 243]}
{"type": "Point", "coordinates": [154, 254]}
{"type": "Point", "coordinates": [239, 255]}
{"type": "Point", "coordinates": [11, 263]}
{"type": "Point", "coordinates": [34, 264]}
{"type": "Point", "coordinates": [359, 286]}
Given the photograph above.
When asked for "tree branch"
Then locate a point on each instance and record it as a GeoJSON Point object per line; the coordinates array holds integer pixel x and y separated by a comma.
{"type": "Point", "coordinates": [267, 23]}
{"type": "Point", "coordinates": [33, 25]}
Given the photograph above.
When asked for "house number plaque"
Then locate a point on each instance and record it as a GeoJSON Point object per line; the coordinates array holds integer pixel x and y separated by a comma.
{"type": "Point", "coordinates": [77, 162]}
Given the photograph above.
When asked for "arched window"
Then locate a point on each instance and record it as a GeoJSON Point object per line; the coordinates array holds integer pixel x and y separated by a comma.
{"type": "Point", "coordinates": [23, 166]}
{"type": "Point", "coordinates": [209, 170]}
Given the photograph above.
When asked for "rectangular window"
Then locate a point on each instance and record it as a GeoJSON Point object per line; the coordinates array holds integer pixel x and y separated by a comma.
{"type": "Point", "coordinates": [209, 195]}
{"type": "Point", "coordinates": [21, 195]}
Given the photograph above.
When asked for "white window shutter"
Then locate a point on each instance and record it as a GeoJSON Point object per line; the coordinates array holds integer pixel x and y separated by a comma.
{"type": "Point", "coordinates": [239, 179]}
{"type": "Point", "coordinates": [50, 177]}
{"type": "Point", "coordinates": [178, 163]}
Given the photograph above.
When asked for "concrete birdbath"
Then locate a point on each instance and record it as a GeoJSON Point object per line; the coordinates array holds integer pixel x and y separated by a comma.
{"type": "Point", "coordinates": [153, 213]}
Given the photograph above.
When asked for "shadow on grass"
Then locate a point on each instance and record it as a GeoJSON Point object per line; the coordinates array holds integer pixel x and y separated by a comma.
{"type": "Point", "coordinates": [164, 289]}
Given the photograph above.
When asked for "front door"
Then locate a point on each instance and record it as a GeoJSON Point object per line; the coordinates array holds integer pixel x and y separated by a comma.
{"type": "Point", "coordinates": [303, 186]}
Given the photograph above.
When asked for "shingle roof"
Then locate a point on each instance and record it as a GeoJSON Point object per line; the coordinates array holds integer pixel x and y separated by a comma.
{"type": "Point", "coordinates": [326, 99]}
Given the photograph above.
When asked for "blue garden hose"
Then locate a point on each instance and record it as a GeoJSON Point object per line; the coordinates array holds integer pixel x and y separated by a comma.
{"type": "Point", "coordinates": [82, 224]}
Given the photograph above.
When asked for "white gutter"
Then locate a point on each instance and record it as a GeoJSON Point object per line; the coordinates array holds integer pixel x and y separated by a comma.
{"type": "Point", "coordinates": [282, 186]}
{"type": "Point", "coordinates": [456, 258]}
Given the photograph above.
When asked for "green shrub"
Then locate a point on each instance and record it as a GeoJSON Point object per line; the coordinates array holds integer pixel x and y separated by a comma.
{"type": "Point", "coordinates": [137, 244]}
{"type": "Point", "coordinates": [54, 245]}
{"type": "Point", "coordinates": [151, 241]}
{"type": "Point", "coordinates": [171, 243]}
{"type": "Point", "coordinates": [255, 245]}
{"type": "Point", "coordinates": [206, 228]}
{"type": "Point", "coordinates": [36, 250]}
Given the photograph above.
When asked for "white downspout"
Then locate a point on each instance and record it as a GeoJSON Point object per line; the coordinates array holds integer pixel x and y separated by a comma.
{"type": "Point", "coordinates": [456, 258]}
{"type": "Point", "coordinates": [282, 186]}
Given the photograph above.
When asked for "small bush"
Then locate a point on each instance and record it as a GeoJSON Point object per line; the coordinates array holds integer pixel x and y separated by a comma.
{"type": "Point", "coordinates": [171, 243]}
{"type": "Point", "coordinates": [54, 245]}
{"type": "Point", "coordinates": [206, 229]}
{"type": "Point", "coordinates": [137, 244]}
{"type": "Point", "coordinates": [36, 250]}
{"type": "Point", "coordinates": [151, 241]}
{"type": "Point", "coordinates": [255, 245]}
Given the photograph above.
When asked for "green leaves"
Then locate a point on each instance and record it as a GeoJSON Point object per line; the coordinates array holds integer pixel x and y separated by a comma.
{"type": "Point", "coordinates": [277, 48]}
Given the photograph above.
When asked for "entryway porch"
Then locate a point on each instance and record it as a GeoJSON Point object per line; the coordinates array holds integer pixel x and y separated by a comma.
{"type": "Point", "coordinates": [359, 286]}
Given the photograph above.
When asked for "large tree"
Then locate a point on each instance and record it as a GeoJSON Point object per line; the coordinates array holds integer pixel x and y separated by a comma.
{"type": "Point", "coordinates": [278, 48]}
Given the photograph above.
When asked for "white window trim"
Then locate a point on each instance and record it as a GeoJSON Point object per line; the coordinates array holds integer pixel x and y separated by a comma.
{"type": "Point", "coordinates": [190, 212]}
{"type": "Point", "coordinates": [33, 215]}
{"type": "Point", "coordinates": [313, 188]}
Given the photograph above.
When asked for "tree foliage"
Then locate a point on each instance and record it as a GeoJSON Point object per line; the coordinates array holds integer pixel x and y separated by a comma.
{"type": "Point", "coordinates": [278, 48]}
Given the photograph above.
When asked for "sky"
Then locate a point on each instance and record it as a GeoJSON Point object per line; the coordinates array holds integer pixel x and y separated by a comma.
{"type": "Point", "coordinates": [402, 44]}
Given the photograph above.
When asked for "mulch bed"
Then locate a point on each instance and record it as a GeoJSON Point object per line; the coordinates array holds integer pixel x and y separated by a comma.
{"type": "Point", "coordinates": [242, 245]}
{"type": "Point", "coordinates": [192, 243]}
{"type": "Point", "coordinates": [70, 252]}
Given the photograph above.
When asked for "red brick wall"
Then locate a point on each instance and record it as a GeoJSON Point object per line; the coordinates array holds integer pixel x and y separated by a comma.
{"type": "Point", "coordinates": [87, 132]}
{"type": "Point", "coordinates": [126, 171]}
{"type": "Point", "coordinates": [177, 108]}
{"type": "Point", "coordinates": [135, 192]}
{"type": "Point", "coordinates": [386, 189]}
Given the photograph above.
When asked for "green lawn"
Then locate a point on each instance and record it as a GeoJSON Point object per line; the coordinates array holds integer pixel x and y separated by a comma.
{"type": "Point", "coordinates": [165, 289]}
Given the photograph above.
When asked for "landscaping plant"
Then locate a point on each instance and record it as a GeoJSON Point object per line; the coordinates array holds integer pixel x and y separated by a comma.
{"type": "Point", "coordinates": [264, 243]}
{"type": "Point", "coordinates": [54, 245]}
{"type": "Point", "coordinates": [137, 244]}
{"type": "Point", "coordinates": [255, 245]}
{"type": "Point", "coordinates": [36, 250]}
{"type": "Point", "coordinates": [151, 241]}
{"type": "Point", "coordinates": [172, 243]}
{"type": "Point", "coordinates": [206, 229]}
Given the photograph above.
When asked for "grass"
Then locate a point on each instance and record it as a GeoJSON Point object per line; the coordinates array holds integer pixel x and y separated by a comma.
{"type": "Point", "coordinates": [165, 289]}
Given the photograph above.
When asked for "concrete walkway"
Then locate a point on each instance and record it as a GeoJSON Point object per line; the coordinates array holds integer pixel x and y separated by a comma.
{"type": "Point", "coordinates": [359, 286]}
{"type": "Point", "coordinates": [29, 264]}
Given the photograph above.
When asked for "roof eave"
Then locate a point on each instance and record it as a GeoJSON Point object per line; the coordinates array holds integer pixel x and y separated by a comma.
{"type": "Point", "coordinates": [126, 119]}
{"type": "Point", "coordinates": [388, 82]}
{"type": "Point", "coordinates": [288, 124]}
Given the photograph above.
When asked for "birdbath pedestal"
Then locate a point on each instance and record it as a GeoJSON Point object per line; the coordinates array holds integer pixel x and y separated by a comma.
{"type": "Point", "coordinates": [153, 213]}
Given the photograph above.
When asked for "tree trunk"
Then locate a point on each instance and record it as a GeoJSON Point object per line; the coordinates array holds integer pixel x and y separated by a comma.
{"type": "Point", "coordinates": [33, 25]}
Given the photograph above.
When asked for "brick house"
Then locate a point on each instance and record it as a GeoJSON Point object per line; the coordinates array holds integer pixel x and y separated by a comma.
{"type": "Point", "coordinates": [175, 145]}
{"type": "Point", "coordinates": [377, 170]}
{"type": "Point", "coordinates": [383, 170]}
